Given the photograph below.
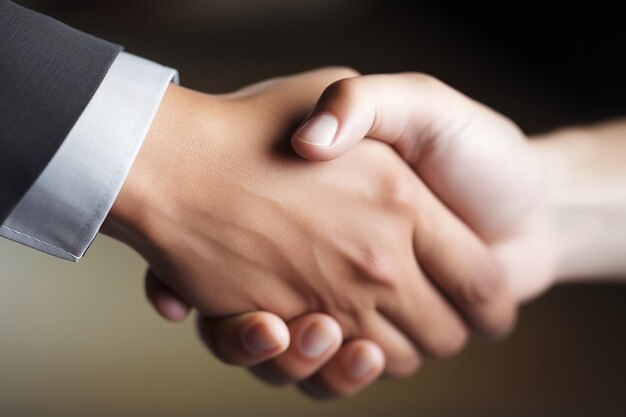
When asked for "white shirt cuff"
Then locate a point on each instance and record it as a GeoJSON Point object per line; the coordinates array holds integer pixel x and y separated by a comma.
{"type": "Point", "coordinates": [64, 209]}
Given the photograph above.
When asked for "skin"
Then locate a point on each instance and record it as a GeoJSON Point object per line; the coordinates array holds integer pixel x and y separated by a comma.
{"type": "Point", "coordinates": [232, 223]}
{"type": "Point", "coordinates": [561, 196]}
{"type": "Point", "coordinates": [477, 162]}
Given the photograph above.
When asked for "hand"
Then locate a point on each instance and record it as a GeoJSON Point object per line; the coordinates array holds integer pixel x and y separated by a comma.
{"type": "Point", "coordinates": [479, 163]}
{"type": "Point", "coordinates": [551, 208]}
{"type": "Point", "coordinates": [583, 171]}
{"type": "Point", "coordinates": [308, 349]}
{"type": "Point", "coordinates": [232, 225]}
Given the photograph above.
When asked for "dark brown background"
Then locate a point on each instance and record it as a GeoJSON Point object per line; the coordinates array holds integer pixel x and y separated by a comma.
{"type": "Point", "coordinates": [78, 340]}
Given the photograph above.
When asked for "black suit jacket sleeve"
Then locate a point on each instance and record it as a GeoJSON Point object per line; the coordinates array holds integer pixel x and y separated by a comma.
{"type": "Point", "coordinates": [48, 74]}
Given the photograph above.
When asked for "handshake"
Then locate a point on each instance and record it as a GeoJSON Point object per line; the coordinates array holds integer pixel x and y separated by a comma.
{"type": "Point", "coordinates": [426, 217]}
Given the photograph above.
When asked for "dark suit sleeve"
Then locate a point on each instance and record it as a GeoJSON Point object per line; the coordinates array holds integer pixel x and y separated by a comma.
{"type": "Point", "coordinates": [48, 74]}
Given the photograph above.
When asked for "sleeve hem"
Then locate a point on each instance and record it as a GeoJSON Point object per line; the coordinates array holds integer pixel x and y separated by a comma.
{"type": "Point", "coordinates": [63, 211]}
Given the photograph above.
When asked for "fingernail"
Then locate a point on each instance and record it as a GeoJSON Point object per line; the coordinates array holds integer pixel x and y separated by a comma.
{"type": "Point", "coordinates": [259, 339]}
{"type": "Point", "coordinates": [363, 361]}
{"type": "Point", "coordinates": [319, 130]}
{"type": "Point", "coordinates": [316, 340]}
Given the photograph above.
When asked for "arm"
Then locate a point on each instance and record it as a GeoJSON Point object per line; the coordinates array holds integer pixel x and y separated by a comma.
{"type": "Point", "coordinates": [72, 105]}
{"type": "Point", "coordinates": [585, 171]}
{"type": "Point", "coordinates": [48, 74]}
{"type": "Point", "coordinates": [553, 208]}
{"type": "Point", "coordinates": [63, 210]}
{"type": "Point", "coordinates": [72, 117]}
{"type": "Point", "coordinates": [574, 229]}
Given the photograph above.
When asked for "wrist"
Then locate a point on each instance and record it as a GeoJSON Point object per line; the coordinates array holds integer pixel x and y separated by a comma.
{"type": "Point", "coordinates": [152, 188]}
{"type": "Point", "coordinates": [585, 177]}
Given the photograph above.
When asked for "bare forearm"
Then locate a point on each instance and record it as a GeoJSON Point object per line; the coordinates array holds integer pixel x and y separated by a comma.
{"type": "Point", "coordinates": [585, 171]}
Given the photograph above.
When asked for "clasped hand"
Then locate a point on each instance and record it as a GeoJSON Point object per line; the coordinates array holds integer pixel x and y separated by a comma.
{"type": "Point", "coordinates": [331, 273]}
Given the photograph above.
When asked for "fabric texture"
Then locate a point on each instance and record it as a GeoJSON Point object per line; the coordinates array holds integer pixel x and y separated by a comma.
{"type": "Point", "coordinates": [66, 206]}
{"type": "Point", "coordinates": [48, 74]}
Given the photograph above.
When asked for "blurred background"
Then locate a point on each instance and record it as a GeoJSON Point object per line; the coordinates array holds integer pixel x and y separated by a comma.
{"type": "Point", "coordinates": [80, 340]}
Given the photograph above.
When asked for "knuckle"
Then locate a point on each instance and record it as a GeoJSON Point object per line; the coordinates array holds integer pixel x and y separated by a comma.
{"type": "Point", "coordinates": [340, 72]}
{"type": "Point", "coordinates": [481, 290]}
{"type": "Point", "coordinates": [485, 284]}
{"type": "Point", "coordinates": [378, 265]}
{"type": "Point", "coordinates": [343, 88]}
{"type": "Point", "coordinates": [426, 80]}
{"type": "Point", "coordinates": [398, 192]}
{"type": "Point", "coordinates": [431, 84]}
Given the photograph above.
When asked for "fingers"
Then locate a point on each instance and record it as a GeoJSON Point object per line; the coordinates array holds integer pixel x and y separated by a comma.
{"type": "Point", "coordinates": [459, 282]}
{"type": "Point", "coordinates": [165, 302]}
{"type": "Point", "coordinates": [315, 338]}
{"type": "Point", "coordinates": [425, 316]}
{"type": "Point", "coordinates": [357, 364]}
{"type": "Point", "coordinates": [462, 267]}
{"type": "Point", "coordinates": [246, 339]}
{"type": "Point", "coordinates": [401, 355]}
{"type": "Point", "coordinates": [263, 339]}
{"type": "Point", "coordinates": [419, 115]}
{"type": "Point", "coordinates": [314, 357]}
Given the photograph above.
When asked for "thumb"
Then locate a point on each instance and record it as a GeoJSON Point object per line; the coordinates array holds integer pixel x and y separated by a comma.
{"type": "Point", "coordinates": [403, 110]}
{"type": "Point", "coordinates": [469, 155]}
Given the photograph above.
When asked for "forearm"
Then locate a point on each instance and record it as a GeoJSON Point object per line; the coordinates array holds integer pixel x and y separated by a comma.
{"type": "Point", "coordinates": [585, 171]}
